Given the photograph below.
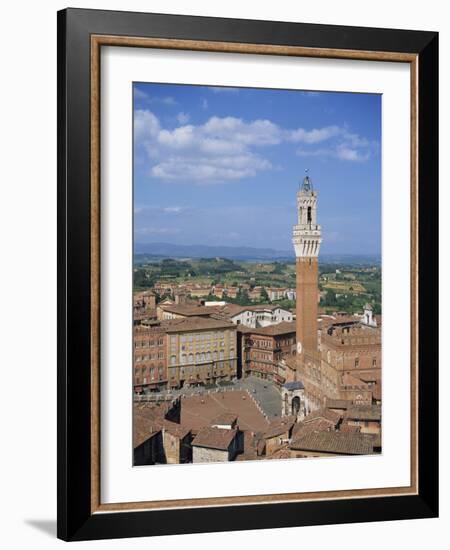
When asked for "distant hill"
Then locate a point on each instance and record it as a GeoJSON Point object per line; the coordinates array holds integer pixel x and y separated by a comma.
{"type": "Point", "coordinates": [167, 250]}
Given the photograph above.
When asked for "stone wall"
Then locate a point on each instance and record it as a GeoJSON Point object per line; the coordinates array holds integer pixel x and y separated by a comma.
{"type": "Point", "coordinates": [204, 454]}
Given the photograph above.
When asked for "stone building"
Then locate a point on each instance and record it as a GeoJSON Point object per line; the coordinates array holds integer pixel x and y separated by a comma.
{"type": "Point", "coordinates": [350, 360]}
{"type": "Point", "coordinates": [258, 316]}
{"type": "Point", "coordinates": [144, 305]}
{"type": "Point", "coordinates": [150, 359]}
{"type": "Point", "coordinates": [262, 349]}
{"type": "Point", "coordinates": [278, 434]}
{"type": "Point", "coordinates": [147, 442]}
{"type": "Point", "coordinates": [216, 445]}
{"type": "Point", "coordinates": [176, 441]}
{"type": "Point", "coordinates": [200, 351]}
{"type": "Point", "coordinates": [293, 399]}
{"type": "Point", "coordinates": [367, 418]}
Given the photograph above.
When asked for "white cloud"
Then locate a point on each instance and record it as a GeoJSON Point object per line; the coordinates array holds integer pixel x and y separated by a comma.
{"type": "Point", "coordinates": [346, 153]}
{"type": "Point", "coordinates": [229, 148]}
{"type": "Point", "coordinates": [140, 95]}
{"type": "Point", "coordinates": [317, 135]}
{"type": "Point", "coordinates": [183, 118]}
{"type": "Point", "coordinates": [146, 125]}
{"type": "Point", "coordinates": [348, 147]}
{"type": "Point", "coordinates": [204, 170]}
{"type": "Point", "coordinates": [340, 152]}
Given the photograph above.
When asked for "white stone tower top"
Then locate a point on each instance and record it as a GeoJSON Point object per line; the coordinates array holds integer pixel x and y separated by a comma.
{"type": "Point", "coordinates": [306, 235]}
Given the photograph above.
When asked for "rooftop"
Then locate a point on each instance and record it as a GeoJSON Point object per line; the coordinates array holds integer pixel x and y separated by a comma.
{"type": "Point", "coordinates": [279, 427]}
{"type": "Point", "coordinates": [285, 327]}
{"type": "Point", "coordinates": [188, 310]}
{"type": "Point", "coordinates": [335, 443]}
{"type": "Point", "coordinates": [326, 414]}
{"type": "Point", "coordinates": [143, 429]}
{"type": "Point", "coordinates": [225, 418]}
{"type": "Point", "coordinates": [197, 323]}
{"type": "Point", "coordinates": [317, 425]}
{"type": "Point", "coordinates": [214, 438]}
{"type": "Point", "coordinates": [296, 385]}
{"type": "Point", "coordinates": [201, 410]}
{"type": "Point", "coordinates": [364, 412]}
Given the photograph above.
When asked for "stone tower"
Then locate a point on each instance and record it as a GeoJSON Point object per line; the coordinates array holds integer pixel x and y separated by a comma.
{"type": "Point", "coordinates": [306, 239]}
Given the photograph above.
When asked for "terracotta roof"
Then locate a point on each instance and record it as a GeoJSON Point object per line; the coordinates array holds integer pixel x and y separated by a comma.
{"type": "Point", "coordinates": [225, 418]}
{"type": "Point", "coordinates": [326, 414]}
{"type": "Point", "coordinates": [348, 428]}
{"type": "Point", "coordinates": [177, 430]}
{"type": "Point", "coordinates": [198, 323]}
{"type": "Point", "coordinates": [199, 411]}
{"type": "Point", "coordinates": [214, 438]}
{"type": "Point", "coordinates": [285, 327]}
{"type": "Point", "coordinates": [188, 310]}
{"type": "Point", "coordinates": [334, 443]}
{"type": "Point", "coordinates": [278, 427]}
{"type": "Point", "coordinates": [281, 453]}
{"type": "Point", "coordinates": [143, 429]}
{"type": "Point", "coordinates": [364, 412]}
{"type": "Point", "coordinates": [318, 425]}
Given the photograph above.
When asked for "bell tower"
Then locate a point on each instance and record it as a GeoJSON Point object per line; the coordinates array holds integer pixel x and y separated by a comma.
{"type": "Point", "coordinates": [307, 239]}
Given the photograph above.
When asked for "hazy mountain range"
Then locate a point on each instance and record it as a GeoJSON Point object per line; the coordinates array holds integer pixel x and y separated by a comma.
{"type": "Point", "coordinates": [167, 250]}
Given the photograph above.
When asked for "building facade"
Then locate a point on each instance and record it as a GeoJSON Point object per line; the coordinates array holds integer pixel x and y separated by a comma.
{"type": "Point", "coordinates": [201, 351]}
{"type": "Point", "coordinates": [150, 360]}
{"type": "Point", "coordinates": [262, 350]}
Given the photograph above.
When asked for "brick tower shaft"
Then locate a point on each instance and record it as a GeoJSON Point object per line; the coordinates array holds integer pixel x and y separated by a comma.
{"type": "Point", "coordinates": [307, 277]}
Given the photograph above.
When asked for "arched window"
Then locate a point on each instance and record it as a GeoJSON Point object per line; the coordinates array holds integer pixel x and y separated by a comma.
{"type": "Point", "coordinates": [309, 214]}
{"type": "Point", "coordinates": [173, 359]}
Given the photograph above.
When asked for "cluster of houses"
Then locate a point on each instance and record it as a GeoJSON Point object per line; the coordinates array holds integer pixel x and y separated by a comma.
{"type": "Point", "coordinates": [208, 347]}
{"type": "Point", "coordinates": [193, 429]}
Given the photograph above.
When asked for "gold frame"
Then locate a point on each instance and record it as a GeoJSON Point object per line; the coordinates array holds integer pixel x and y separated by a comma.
{"type": "Point", "coordinates": [97, 41]}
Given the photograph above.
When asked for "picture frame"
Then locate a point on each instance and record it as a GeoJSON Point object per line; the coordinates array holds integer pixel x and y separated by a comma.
{"type": "Point", "coordinates": [81, 36]}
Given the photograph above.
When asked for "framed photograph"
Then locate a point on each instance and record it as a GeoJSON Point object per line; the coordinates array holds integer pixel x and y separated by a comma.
{"type": "Point", "coordinates": [247, 274]}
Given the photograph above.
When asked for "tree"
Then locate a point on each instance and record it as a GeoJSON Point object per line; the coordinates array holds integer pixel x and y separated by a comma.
{"type": "Point", "coordinates": [330, 298]}
{"type": "Point", "coordinates": [264, 295]}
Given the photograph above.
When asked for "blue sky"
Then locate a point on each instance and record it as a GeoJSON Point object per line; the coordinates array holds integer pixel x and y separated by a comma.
{"type": "Point", "coordinates": [223, 165]}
